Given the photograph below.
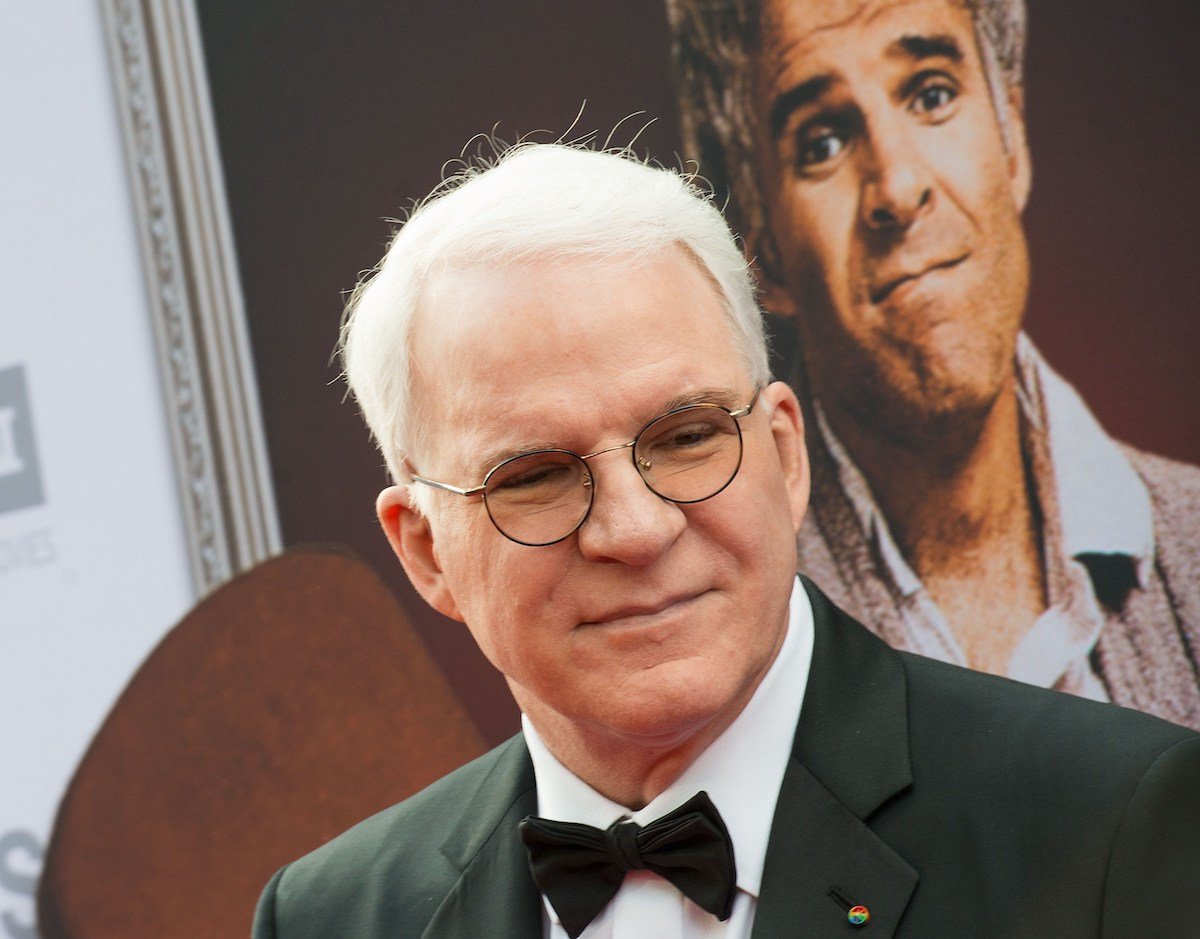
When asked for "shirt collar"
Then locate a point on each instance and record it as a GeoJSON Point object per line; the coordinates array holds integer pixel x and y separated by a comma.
{"type": "Point", "coordinates": [1103, 505]}
{"type": "Point", "coordinates": [741, 770]}
{"type": "Point", "coordinates": [862, 503]}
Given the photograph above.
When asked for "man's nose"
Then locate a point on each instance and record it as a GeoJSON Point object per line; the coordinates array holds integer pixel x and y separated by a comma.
{"type": "Point", "coordinates": [897, 185]}
{"type": "Point", "coordinates": [628, 522]}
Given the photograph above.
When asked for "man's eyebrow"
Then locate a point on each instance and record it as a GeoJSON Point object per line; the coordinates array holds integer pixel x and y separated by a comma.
{"type": "Point", "coordinates": [796, 97]}
{"type": "Point", "coordinates": [939, 46]}
{"type": "Point", "coordinates": [724, 396]}
{"type": "Point", "coordinates": [497, 455]}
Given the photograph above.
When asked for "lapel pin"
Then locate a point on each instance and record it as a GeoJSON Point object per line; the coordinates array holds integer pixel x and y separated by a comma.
{"type": "Point", "coordinates": [858, 915]}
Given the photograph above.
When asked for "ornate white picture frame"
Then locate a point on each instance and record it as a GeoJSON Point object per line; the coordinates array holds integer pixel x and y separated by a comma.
{"type": "Point", "coordinates": [194, 290]}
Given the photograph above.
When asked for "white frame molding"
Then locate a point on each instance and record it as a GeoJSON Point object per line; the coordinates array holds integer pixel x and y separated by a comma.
{"type": "Point", "coordinates": [195, 293]}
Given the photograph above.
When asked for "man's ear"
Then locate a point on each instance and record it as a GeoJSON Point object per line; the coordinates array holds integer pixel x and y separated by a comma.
{"type": "Point", "coordinates": [787, 428]}
{"type": "Point", "coordinates": [411, 538]}
{"type": "Point", "coordinates": [763, 256]}
{"type": "Point", "coordinates": [1020, 166]}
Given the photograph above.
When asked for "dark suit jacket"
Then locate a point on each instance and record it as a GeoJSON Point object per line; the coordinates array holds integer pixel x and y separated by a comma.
{"type": "Point", "coordinates": [948, 802]}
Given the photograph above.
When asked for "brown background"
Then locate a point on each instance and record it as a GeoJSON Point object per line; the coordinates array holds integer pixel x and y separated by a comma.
{"type": "Point", "coordinates": [335, 116]}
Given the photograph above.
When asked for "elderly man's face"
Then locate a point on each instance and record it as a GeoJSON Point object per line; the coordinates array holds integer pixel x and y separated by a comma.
{"type": "Point", "coordinates": [653, 619]}
{"type": "Point", "coordinates": [894, 205]}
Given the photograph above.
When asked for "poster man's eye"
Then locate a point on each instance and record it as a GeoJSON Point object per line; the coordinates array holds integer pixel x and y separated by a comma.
{"type": "Point", "coordinates": [819, 146]}
{"type": "Point", "coordinates": [933, 98]}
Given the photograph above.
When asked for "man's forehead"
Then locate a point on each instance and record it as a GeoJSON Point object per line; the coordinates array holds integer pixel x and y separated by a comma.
{"type": "Point", "coordinates": [503, 353]}
{"type": "Point", "coordinates": [532, 303]}
{"type": "Point", "coordinates": [795, 29]}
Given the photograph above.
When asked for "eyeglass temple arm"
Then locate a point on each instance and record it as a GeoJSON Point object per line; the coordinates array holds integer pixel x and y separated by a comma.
{"type": "Point", "coordinates": [742, 412]}
{"type": "Point", "coordinates": [446, 486]}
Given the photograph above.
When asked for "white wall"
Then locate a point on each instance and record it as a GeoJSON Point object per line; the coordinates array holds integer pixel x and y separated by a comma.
{"type": "Point", "coordinates": [93, 560]}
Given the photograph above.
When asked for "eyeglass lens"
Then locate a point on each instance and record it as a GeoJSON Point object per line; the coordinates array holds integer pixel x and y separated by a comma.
{"type": "Point", "coordinates": [685, 456]}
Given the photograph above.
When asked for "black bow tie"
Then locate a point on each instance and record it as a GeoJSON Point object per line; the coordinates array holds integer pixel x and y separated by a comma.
{"type": "Point", "coordinates": [580, 868]}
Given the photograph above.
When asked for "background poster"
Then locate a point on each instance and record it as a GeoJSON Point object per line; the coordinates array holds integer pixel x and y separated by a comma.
{"type": "Point", "coordinates": [332, 120]}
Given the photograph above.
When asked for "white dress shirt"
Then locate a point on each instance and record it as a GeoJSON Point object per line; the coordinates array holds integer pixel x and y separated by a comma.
{"type": "Point", "coordinates": [741, 771]}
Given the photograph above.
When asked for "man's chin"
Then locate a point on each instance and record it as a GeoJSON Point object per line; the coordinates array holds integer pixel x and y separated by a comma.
{"type": "Point", "coordinates": [658, 715]}
{"type": "Point", "coordinates": [916, 398]}
{"type": "Point", "coordinates": [930, 416]}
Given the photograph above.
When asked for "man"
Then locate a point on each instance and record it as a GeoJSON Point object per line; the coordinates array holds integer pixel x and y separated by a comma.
{"type": "Point", "coordinates": [563, 364]}
{"type": "Point", "coordinates": [966, 505]}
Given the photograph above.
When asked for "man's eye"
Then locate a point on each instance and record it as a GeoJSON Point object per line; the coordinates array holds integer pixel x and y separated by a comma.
{"type": "Point", "coordinates": [933, 98]}
{"type": "Point", "coordinates": [531, 475]}
{"type": "Point", "coordinates": [819, 146]}
{"type": "Point", "coordinates": [693, 435]}
{"type": "Point", "coordinates": [686, 444]}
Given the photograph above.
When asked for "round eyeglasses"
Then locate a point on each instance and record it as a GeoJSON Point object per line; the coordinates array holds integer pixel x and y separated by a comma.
{"type": "Point", "coordinates": [539, 498]}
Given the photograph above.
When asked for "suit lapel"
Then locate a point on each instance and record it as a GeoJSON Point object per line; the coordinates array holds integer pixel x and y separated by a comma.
{"type": "Point", "coordinates": [494, 895]}
{"type": "Point", "coordinates": [850, 756]}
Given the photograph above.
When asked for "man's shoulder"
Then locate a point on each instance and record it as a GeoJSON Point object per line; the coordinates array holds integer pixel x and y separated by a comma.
{"type": "Point", "coordinates": [1174, 490]}
{"type": "Point", "coordinates": [1174, 486]}
{"type": "Point", "coordinates": [963, 731]}
{"type": "Point", "coordinates": [392, 865]}
{"type": "Point", "coordinates": [1083, 809]}
{"type": "Point", "coordinates": [419, 818]}
{"type": "Point", "coordinates": [989, 719]}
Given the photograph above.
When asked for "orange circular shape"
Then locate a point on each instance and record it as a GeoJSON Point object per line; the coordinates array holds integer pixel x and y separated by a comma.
{"type": "Point", "coordinates": [859, 915]}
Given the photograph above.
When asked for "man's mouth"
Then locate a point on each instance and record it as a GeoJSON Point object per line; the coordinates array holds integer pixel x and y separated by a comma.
{"type": "Point", "coordinates": [890, 284]}
{"type": "Point", "coordinates": [630, 613]}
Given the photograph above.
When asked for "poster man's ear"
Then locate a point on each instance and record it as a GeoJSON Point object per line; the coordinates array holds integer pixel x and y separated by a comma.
{"type": "Point", "coordinates": [1020, 166]}
{"type": "Point", "coordinates": [411, 537]}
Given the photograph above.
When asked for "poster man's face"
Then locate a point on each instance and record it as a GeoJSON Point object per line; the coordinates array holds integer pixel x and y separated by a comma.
{"type": "Point", "coordinates": [894, 204]}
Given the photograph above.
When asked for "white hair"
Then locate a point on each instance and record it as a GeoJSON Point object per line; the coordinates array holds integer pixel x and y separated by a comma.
{"type": "Point", "coordinates": [557, 201]}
